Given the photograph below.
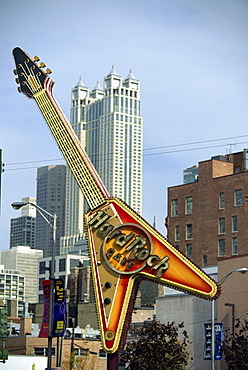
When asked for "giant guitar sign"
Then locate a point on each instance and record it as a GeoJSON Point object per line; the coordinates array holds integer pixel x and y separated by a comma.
{"type": "Point", "coordinates": [124, 248]}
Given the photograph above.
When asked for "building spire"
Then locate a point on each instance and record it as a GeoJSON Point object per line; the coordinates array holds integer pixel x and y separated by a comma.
{"type": "Point", "coordinates": [130, 75]}
{"type": "Point", "coordinates": [80, 83]}
{"type": "Point", "coordinates": [113, 71]}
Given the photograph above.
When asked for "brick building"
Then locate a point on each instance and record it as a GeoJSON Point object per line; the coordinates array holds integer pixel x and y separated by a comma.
{"type": "Point", "coordinates": [89, 350]}
{"type": "Point", "coordinates": [207, 215]}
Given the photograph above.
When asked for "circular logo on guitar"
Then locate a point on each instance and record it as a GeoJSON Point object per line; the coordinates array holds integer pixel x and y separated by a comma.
{"type": "Point", "coordinates": [126, 248]}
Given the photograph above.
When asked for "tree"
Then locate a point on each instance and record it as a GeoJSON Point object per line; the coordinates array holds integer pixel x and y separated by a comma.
{"type": "Point", "coordinates": [158, 347]}
{"type": "Point", "coordinates": [235, 346]}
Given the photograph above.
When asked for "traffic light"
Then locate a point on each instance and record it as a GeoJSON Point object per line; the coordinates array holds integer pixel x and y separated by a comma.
{"type": "Point", "coordinates": [3, 322]}
{"type": "Point", "coordinates": [3, 355]}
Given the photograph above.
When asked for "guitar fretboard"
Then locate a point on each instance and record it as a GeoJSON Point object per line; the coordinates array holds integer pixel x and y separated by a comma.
{"type": "Point", "coordinates": [77, 160]}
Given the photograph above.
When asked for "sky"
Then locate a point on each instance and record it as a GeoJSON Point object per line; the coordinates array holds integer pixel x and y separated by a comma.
{"type": "Point", "coordinates": [191, 58]}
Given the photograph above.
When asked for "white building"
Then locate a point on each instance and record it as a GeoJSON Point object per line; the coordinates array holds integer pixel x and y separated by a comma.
{"type": "Point", "coordinates": [12, 288]}
{"type": "Point", "coordinates": [108, 123]}
{"type": "Point", "coordinates": [24, 259]}
{"type": "Point", "coordinates": [63, 265]}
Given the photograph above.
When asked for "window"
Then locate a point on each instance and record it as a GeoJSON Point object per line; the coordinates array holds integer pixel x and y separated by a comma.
{"type": "Point", "coordinates": [235, 223]}
{"type": "Point", "coordinates": [189, 231]}
{"type": "Point", "coordinates": [177, 232]}
{"type": "Point", "coordinates": [235, 245]}
{"type": "Point", "coordinates": [40, 283]}
{"type": "Point", "coordinates": [42, 267]}
{"type": "Point", "coordinates": [81, 352]}
{"type": "Point", "coordinates": [204, 260]}
{"type": "Point", "coordinates": [189, 206]}
{"type": "Point", "coordinates": [222, 248]}
{"type": "Point", "coordinates": [102, 353]}
{"type": "Point", "coordinates": [222, 226]}
{"type": "Point", "coordinates": [222, 201]}
{"type": "Point", "coordinates": [238, 197]}
{"type": "Point", "coordinates": [189, 251]}
{"type": "Point", "coordinates": [43, 351]}
{"type": "Point", "coordinates": [62, 264]}
{"type": "Point", "coordinates": [174, 207]}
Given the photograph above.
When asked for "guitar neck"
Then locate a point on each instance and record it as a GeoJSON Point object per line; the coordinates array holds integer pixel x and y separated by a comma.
{"type": "Point", "coordinates": [78, 161]}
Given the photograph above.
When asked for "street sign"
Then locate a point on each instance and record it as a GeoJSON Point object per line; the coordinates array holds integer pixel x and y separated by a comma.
{"type": "Point", "coordinates": [218, 340]}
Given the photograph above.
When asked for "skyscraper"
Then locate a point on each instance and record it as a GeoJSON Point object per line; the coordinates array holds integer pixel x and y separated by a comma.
{"type": "Point", "coordinates": [108, 123]}
{"type": "Point", "coordinates": [50, 194]}
{"type": "Point", "coordinates": [22, 229]}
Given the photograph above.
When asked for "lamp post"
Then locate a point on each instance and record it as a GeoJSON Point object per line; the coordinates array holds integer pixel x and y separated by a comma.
{"type": "Point", "coordinates": [242, 270]}
{"type": "Point", "coordinates": [44, 213]}
{"type": "Point", "coordinates": [231, 305]}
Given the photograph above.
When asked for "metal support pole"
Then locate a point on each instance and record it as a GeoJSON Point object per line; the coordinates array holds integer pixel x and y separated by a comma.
{"type": "Point", "coordinates": [213, 335]}
{"type": "Point", "coordinates": [112, 361]}
{"type": "Point", "coordinates": [51, 278]}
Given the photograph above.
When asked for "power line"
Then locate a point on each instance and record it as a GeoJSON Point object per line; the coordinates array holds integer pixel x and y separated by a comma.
{"type": "Point", "coordinates": [146, 149]}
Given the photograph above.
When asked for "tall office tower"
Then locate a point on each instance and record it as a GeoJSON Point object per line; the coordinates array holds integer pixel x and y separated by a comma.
{"type": "Point", "coordinates": [50, 195]}
{"type": "Point", "coordinates": [108, 124]}
{"type": "Point", "coordinates": [22, 229]}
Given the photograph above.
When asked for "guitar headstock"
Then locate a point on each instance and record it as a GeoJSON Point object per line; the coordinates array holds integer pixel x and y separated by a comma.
{"type": "Point", "coordinates": [31, 76]}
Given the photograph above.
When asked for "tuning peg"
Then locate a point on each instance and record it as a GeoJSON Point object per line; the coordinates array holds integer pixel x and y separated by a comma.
{"type": "Point", "coordinates": [15, 71]}
{"type": "Point", "coordinates": [17, 80]}
{"type": "Point", "coordinates": [42, 65]}
{"type": "Point", "coordinates": [48, 71]}
{"type": "Point", "coordinates": [36, 59]}
{"type": "Point", "coordinates": [19, 89]}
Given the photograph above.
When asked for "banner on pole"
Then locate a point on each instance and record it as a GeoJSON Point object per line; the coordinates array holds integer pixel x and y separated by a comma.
{"type": "Point", "coordinates": [44, 330]}
{"type": "Point", "coordinates": [60, 315]}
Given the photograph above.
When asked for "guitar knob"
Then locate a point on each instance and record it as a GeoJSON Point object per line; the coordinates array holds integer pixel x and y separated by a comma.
{"type": "Point", "coordinates": [15, 71]}
{"type": "Point", "coordinates": [48, 71]}
{"type": "Point", "coordinates": [17, 80]}
{"type": "Point", "coordinates": [42, 65]}
{"type": "Point", "coordinates": [19, 89]}
{"type": "Point", "coordinates": [36, 59]}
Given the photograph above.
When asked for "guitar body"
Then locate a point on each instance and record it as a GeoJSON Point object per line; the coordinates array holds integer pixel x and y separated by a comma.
{"type": "Point", "coordinates": [124, 248]}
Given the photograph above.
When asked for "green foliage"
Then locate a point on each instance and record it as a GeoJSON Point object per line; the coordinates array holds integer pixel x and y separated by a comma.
{"type": "Point", "coordinates": [235, 346]}
{"type": "Point", "coordinates": [4, 355]}
{"type": "Point", "coordinates": [158, 347]}
{"type": "Point", "coordinates": [3, 322]}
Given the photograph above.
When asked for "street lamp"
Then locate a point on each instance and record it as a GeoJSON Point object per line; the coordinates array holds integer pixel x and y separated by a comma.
{"type": "Point", "coordinates": [242, 270]}
{"type": "Point", "coordinates": [44, 213]}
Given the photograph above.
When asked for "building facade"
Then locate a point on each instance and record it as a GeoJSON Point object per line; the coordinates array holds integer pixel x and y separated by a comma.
{"type": "Point", "coordinates": [108, 124]}
{"type": "Point", "coordinates": [24, 259]}
{"type": "Point", "coordinates": [63, 266]}
{"type": "Point", "coordinates": [207, 218]}
{"type": "Point", "coordinates": [22, 229]}
{"type": "Point", "coordinates": [50, 194]}
{"type": "Point", "coordinates": [12, 290]}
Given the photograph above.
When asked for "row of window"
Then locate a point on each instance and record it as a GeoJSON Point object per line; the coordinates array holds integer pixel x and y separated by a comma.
{"type": "Point", "coordinates": [221, 249]}
{"type": "Point", "coordinates": [189, 203]}
{"type": "Point", "coordinates": [188, 234]}
{"type": "Point", "coordinates": [188, 206]}
{"type": "Point", "coordinates": [41, 351]}
{"type": "Point", "coordinates": [42, 265]}
{"type": "Point", "coordinates": [222, 225]}
{"type": "Point", "coordinates": [221, 228]}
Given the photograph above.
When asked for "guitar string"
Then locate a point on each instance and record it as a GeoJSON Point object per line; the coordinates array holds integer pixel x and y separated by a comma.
{"type": "Point", "coordinates": [70, 151]}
